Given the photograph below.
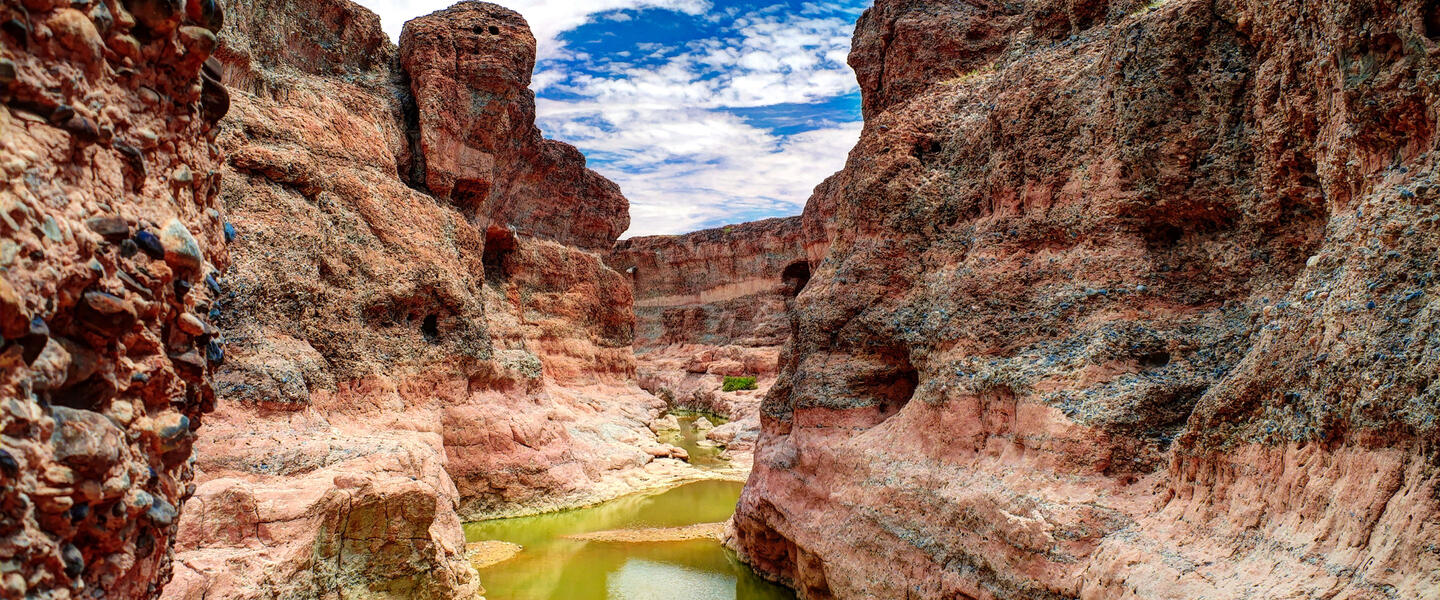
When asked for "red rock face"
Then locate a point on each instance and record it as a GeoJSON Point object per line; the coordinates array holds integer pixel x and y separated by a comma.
{"type": "Point", "coordinates": [469, 69]}
{"type": "Point", "coordinates": [715, 287]}
{"type": "Point", "coordinates": [1117, 301]}
{"type": "Point", "coordinates": [401, 361]}
{"type": "Point", "coordinates": [109, 225]}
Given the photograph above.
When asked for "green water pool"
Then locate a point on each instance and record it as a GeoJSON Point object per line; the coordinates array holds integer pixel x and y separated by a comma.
{"type": "Point", "coordinates": [552, 567]}
{"type": "Point", "coordinates": [702, 454]}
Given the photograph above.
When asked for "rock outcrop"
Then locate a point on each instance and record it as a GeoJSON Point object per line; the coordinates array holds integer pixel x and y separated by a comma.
{"type": "Point", "coordinates": [1118, 300]}
{"type": "Point", "coordinates": [407, 351]}
{"type": "Point", "coordinates": [469, 69]}
{"type": "Point", "coordinates": [712, 304]}
{"type": "Point", "coordinates": [109, 225]}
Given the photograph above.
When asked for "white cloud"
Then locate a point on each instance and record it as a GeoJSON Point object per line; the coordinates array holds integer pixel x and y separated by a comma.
{"type": "Point", "coordinates": [668, 133]}
{"type": "Point", "coordinates": [684, 169]}
{"type": "Point", "coordinates": [661, 119]}
{"type": "Point", "coordinates": [548, 18]}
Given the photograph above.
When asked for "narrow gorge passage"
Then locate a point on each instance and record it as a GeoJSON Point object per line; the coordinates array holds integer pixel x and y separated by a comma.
{"type": "Point", "coordinates": [1111, 300]}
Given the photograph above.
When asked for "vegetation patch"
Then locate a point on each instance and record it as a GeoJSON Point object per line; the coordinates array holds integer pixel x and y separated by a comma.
{"type": "Point", "coordinates": [734, 384]}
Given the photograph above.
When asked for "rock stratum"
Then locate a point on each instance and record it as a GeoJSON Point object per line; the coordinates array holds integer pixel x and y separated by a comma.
{"type": "Point", "coordinates": [1118, 300]}
{"type": "Point", "coordinates": [422, 330]}
{"type": "Point", "coordinates": [111, 222]}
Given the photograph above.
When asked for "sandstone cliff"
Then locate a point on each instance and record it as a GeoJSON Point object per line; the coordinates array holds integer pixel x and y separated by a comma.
{"type": "Point", "coordinates": [1118, 300]}
{"type": "Point", "coordinates": [109, 225]}
{"type": "Point", "coordinates": [420, 332]}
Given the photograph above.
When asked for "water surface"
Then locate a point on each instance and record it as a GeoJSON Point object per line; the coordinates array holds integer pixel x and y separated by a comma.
{"type": "Point", "coordinates": [554, 568]}
{"type": "Point", "coordinates": [702, 454]}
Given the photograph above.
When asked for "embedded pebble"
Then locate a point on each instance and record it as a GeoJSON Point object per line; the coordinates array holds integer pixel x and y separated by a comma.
{"type": "Point", "coordinates": [191, 359]}
{"type": "Point", "coordinates": [35, 340]}
{"type": "Point", "coordinates": [181, 250]}
{"type": "Point", "coordinates": [86, 441]}
{"type": "Point", "coordinates": [77, 32]}
{"type": "Point", "coordinates": [148, 139]}
{"type": "Point", "coordinates": [51, 229]}
{"type": "Point", "coordinates": [113, 229]}
{"type": "Point", "coordinates": [162, 512]}
{"type": "Point", "coordinates": [150, 244]}
{"type": "Point", "coordinates": [191, 324]}
{"type": "Point", "coordinates": [74, 560]}
{"type": "Point", "coordinates": [159, 16]}
{"type": "Point", "coordinates": [207, 13]}
{"type": "Point", "coordinates": [8, 465]}
{"type": "Point", "coordinates": [126, 46]}
{"type": "Point", "coordinates": [198, 41]}
{"type": "Point", "coordinates": [13, 323]}
{"type": "Point", "coordinates": [102, 17]}
{"type": "Point", "coordinates": [106, 313]}
{"type": "Point", "coordinates": [82, 129]}
{"type": "Point", "coordinates": [214, 100]}
{"type": "Point", "coordinates": [8, 73]}
{"type": "Point", "coordinates": [171, 427]}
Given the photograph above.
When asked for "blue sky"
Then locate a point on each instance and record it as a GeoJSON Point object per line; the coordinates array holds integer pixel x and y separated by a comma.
{"type": "Point", "coordinates": [706, 112]}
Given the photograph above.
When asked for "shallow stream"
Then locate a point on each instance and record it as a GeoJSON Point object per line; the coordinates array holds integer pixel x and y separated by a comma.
{"type": "Point", "coordinates": [553, 567]}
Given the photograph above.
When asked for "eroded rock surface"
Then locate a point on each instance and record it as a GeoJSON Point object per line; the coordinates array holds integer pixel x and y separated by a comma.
{"type": "Point", "coordinates": [469, 69]}
{"type": "Point", "coordinates": [401, 359]}
{"type": "Point", "coordinates": [1118, 300]}
{"type": "Point", "coordinates": [712, 304]}
{"type": "Point", "coordinates": [109, 224]}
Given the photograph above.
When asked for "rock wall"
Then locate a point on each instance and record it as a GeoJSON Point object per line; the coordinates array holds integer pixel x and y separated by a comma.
{"type": "Point", "coordinates": [406, 351]}
{"type": "Point", "coordinates": [109, 224]}
{"type": "Point", "coordinates": [1118, 300]}
{"type": "Point", "coordinates": [469, 69]}
{"type": "Point", "coordinates": [710, 304]}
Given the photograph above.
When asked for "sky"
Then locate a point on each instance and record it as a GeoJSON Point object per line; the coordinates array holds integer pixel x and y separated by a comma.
{"type": "Point", "coordinates": [706, 112]}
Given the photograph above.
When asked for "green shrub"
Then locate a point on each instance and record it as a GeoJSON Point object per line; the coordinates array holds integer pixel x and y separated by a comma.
{"type": "Point", "coordinates": [739, 383]}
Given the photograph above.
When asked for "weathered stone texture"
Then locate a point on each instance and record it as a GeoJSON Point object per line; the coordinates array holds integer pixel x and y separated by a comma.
{"type": "Point", "coordinates": [110, 223]}
{"type": "Point", "coordinates": [1118, 301]}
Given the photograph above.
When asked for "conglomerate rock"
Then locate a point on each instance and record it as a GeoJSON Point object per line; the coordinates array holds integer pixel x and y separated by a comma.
{"type": "Point", "coordinates": [401, 361]}
{"type": "Point", "coordinates": [109, 224]}
{"type": "Point", "coordinates": [1119, 300]}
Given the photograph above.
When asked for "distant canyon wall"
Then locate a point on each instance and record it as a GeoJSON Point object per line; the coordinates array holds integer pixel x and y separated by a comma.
{"type": "Point", "coordinates": [712, 304]}
{"type": "Point", "coordinates": [1118, 300]}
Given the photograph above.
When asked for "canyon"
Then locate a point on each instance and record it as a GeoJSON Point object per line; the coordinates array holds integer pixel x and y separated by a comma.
{"type": "Point", "coordinates": [1112, 299]}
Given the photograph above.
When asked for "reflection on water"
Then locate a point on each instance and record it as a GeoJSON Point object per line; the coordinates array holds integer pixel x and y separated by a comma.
{"type": "Point", "coordinates": [553, 568]}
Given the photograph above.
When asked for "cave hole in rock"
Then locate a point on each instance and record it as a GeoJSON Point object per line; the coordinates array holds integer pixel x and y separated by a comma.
{"type": "Point", "coordinates": [795, 277]}
{"type": "Point", "coordinates": [1163, 237]}
{"type": "Point", "coordinates": [1432, 20]}
{"type": "Point", "coordinates": [1155, 360]}
{"type": "Point", "coordinates": [430, 328]}
{"type": "Point", "coordinates": [499, 246]}
{"type": "Point", "coordinates": [894, 389]}
{"type": "Point", "coordinates": [470, 194]}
